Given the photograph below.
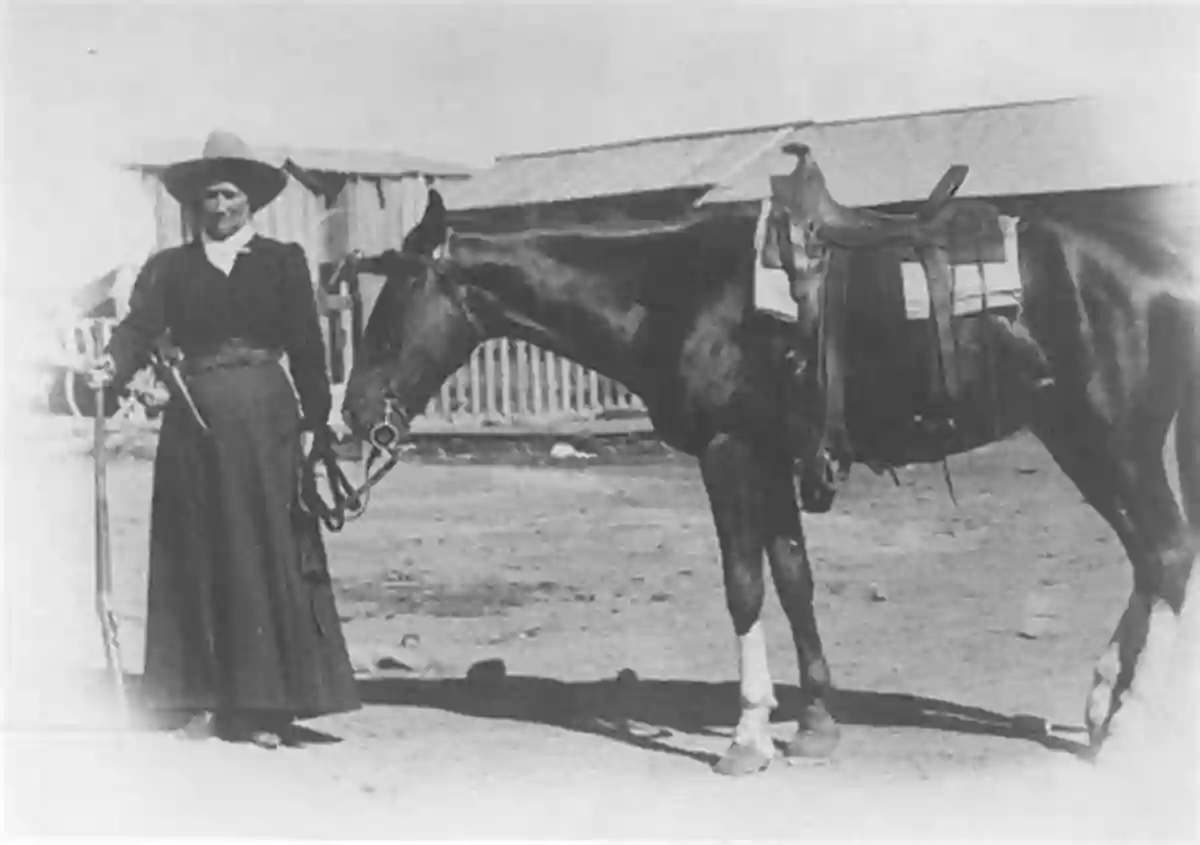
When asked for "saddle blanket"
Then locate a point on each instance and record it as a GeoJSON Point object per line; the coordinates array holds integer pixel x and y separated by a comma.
{"type": "Point", "coordinates": [1001, 281]}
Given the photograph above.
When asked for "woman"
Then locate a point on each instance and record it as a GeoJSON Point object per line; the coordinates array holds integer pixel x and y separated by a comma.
{"type": "Point", "coordinates": [242, 635]}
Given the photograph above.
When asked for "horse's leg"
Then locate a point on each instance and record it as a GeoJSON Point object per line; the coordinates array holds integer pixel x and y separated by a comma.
{"type": "Point", "coordinates": [818, 733]}
{"type": "Point", "coordinates": [1124, 480]}
{"type": "Point", "coordinates": [733, 480]}
{"type": "Point", "coordinates": [1121, 475]}
{"type": "Point", "coordinates": [1167, 391]}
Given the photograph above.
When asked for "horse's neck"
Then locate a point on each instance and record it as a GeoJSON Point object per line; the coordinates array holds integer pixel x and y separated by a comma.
{"type": "Point", "coordinates": [594, 299]}
{"type": "Point", "coordinates": [595, 334]}
{"type": "Point", "coordinates": [578, 318]}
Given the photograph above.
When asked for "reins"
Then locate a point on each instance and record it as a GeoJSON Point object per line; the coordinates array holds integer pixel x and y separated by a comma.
{"type": "Point", "coordinates": [349, 502]}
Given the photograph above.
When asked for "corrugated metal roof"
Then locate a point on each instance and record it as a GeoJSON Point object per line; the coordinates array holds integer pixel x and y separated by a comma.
{"type": "Point", "coordinates": [1020, 148]}
{"type": "Point", "coordinates": [629, 167]}
{"type": "Point", "coordinates": [1046, 146]}
{"type": "Point", "coordinates": [158, 155]}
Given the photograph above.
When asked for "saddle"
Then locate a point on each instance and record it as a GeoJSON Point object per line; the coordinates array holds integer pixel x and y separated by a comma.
{"type": "Point", "coordinates": [942, 233]}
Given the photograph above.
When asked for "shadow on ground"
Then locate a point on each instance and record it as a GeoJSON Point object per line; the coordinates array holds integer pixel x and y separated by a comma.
{"type": "Point", "coordinates": [646, 713]}
{"type": "Point", "coordinates": [608, 707]}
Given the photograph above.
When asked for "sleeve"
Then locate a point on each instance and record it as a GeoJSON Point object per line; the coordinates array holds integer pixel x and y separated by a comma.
{"type": "Point", "coordinates": [134, 337]}
{"type": "Point", "coordinates": [302, 339]}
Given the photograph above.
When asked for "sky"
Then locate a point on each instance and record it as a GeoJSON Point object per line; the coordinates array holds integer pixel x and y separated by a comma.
{"type": "Point", "coordinates": [85, 84]}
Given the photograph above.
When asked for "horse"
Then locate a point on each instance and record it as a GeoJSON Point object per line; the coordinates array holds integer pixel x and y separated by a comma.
{"type": "Point", "coordinates": [667, 310]}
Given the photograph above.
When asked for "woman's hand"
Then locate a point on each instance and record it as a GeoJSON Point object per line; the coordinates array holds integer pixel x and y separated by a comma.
{"type": "Point", "coordinates": [324, 440]}
{"type": "Point", "coordinates": [99, 372]}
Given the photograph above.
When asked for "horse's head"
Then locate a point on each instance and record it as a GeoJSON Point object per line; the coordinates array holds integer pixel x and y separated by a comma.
{"type": "Point", "coordinates": [420, 331]}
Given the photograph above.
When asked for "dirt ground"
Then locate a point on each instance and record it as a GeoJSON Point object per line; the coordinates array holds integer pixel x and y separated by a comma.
{"type": "Point", "coordinates": [954, 633]}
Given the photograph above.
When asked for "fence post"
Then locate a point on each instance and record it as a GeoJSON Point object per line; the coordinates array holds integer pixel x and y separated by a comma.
{"type": "Point", "coordinates": [460, 390]}
{"type": "Point", "coordinates": [489, 378]}
{"type": "Point", "coordinates": [552, 403]}
{"type": "Point", "coordinates": [535, 375]}
{"type": "Point", "coordinates": [580, 396]}
{"type": "Point", "coordinates": [564, 368]}
{"type": "Point", "coordinates": [505, 383]}
{"type": "Point", "coordinates": [522, 349]}
{"type": "Point", "coordinates": [476, 408]}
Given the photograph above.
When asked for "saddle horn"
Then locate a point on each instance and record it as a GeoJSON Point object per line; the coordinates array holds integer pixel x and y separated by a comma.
{"type": "Point", "coordinates": [804, 194]}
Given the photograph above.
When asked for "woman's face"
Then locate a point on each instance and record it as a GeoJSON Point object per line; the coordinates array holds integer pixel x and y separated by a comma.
{"type": "Point", "coordinates": [225, 208]}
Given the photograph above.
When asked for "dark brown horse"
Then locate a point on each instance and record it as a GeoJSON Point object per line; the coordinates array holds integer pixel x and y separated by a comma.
{"type": "Point", "coordinates": [668, 312]}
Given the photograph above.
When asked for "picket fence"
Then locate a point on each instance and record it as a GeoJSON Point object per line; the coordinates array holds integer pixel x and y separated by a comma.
{"type": "Point", "coordinates": [506, 382]}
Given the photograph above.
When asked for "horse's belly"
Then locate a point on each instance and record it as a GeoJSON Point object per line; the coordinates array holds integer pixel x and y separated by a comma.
{"type": "Point", "coordinates": [895, 412]}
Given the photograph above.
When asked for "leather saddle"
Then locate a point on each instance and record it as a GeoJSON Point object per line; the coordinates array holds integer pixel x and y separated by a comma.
{"type": "Point", "coordinates": [942, 233]}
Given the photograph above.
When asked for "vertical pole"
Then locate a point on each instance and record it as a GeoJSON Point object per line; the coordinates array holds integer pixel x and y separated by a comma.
{"type": "Point", "coordinates": [103, 559]}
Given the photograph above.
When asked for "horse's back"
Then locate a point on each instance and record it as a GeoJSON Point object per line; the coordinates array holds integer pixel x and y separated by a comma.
{"type": "Point", "coordinates": [1114, 303]}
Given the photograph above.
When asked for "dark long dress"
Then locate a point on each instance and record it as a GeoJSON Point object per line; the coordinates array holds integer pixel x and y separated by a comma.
{"type": "Point", "coordinates": [241, 613]}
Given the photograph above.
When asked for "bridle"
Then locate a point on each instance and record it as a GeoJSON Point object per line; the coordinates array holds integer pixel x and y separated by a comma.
{"type": "Point", "coordinates": [386, 436]}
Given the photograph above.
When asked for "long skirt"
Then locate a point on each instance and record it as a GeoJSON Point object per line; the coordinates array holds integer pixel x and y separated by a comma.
{"type": "Point", "coordinates": [241, 608]}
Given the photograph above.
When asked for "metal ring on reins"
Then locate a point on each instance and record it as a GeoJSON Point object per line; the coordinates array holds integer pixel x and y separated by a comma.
{"type": "Point", "coordinates": [349, 502]}
{"type": "Point", "coordinates": [385, 435]}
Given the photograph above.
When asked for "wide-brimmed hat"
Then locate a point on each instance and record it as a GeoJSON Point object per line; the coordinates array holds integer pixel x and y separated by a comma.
{"type": "Point", "coordinates": [225, 158]}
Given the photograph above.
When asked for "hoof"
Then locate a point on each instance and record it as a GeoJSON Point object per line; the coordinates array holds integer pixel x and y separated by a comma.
{"type": "Point", "coordinates": [1103, 699]}
{"type": "Point", "coordinates": [742, 760]}
{"type": "Point", "coordinates": [1097, 733]}
{"type": "Point", "coordinates": [817, 736]}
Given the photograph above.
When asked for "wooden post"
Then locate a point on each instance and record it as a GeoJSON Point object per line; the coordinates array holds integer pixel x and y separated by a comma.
{"type": "Point", "coordinates": [564, 366]}
{"type": "Point", "coordinates": [580, 396]}
{"type": "Point", "coordinates": [553, 403]}
{"type": "Point", "coordinates": [460, 390]}
{"type": "Point", "coordinates": [489, 378]}
{"type": "Point", "coordinates": [506, 384]}
{"type": "Point", "coordinates": [475, 388]}
{"type": "Point", "coordinates": [333, 322]}
{"type": "Point", "coordinates": [356, 320]}
{"type": "Point", "coordinates": [522, 349]}
{"type": "Point", "coordinates": [594, 389]}
{"type": "Point", "coordinates": [535, 376]}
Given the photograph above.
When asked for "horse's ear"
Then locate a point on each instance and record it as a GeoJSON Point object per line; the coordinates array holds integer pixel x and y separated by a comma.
{"type": "Point", "coordinates": [430, 233]}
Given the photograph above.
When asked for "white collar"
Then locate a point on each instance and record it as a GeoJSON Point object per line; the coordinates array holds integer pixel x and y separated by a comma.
{"type": "Point", "coordinates": [222, 254]}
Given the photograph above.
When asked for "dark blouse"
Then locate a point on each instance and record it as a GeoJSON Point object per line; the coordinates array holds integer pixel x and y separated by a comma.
{"type": "Point", "coordinates": [266, 301]}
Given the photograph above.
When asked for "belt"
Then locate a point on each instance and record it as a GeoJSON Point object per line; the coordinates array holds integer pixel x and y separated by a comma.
{"type": "Point", "coordinates": [229, 355]}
